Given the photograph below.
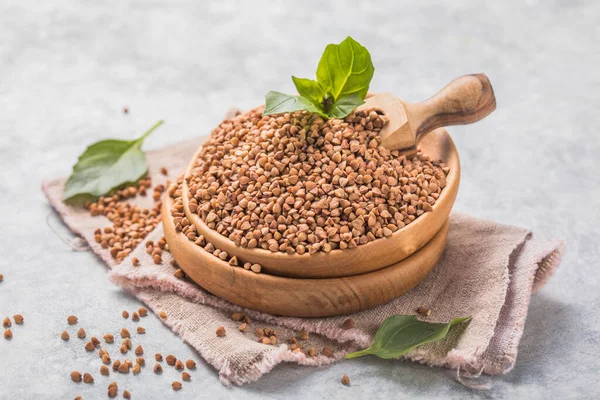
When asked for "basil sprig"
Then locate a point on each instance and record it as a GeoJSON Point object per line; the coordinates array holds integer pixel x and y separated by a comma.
{"type": "Point", "coordinates": [343, 77]}
{"type": "Point", "coordinates": [399, 334]}
{"type": "Point", "coordinates": [105, 166]}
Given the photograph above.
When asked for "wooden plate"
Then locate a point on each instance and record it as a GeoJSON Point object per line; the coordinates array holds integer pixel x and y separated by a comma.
{"type": "Point", "coordinates": [300, 297]}
{"type": "Point", "coordinates": [361, 259]}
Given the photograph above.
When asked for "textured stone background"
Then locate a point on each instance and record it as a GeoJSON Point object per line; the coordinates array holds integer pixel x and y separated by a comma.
{"type": "Point", "coordinates": [68, 67]}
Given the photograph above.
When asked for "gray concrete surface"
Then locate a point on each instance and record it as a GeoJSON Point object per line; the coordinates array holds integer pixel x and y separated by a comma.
{"type": "Point", "coordinates": [68, 67]}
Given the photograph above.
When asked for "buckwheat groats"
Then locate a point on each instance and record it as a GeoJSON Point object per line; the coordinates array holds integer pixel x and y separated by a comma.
{"type": "Point", "coordinates": [298, 184]}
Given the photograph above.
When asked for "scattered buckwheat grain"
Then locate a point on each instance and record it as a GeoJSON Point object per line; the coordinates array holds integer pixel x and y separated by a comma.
{"type": "Point", "coordinates": [109, 338]}
{"type": "Point", "coordinates": [303, 335]}
{"type": "Point", "coordinates": [158, 357]}
{"type": "Point", "coordinates": [126, 394]}
{"type": "Point", "coordinates": [141, 330]}
{"type": "Point", "coordinates": [135, 261]}
{"type": "Point", "coordinates": [221, 331]}
{"type": "Point", "coordinates": [104, 370]}
{"type": "Point", "coordinates": [141, 361]}
{"type": "Point", "coordinates": [345, 380]}
{"type": "Point", "coordinates": [179, 365]}
{"type": "Point", "coordinates": [80, 333]}
{"type": "Point", "coordinates": [76, 376]}
{"type": "Point", "coordinates": [18, 319]}
{"type": "Point", "coordinates": [348, 324]}
{"type": "Point", "coordinates": [190, 364]}
{"type": "Point", "coordinates": [176, 385]}
{"type": "Point", "coordinates": [139, 350]}
{"type": "Point", "coordinates": [185, 376]}
{"type": "Point", "coordinates": [8, 334]}
{"type": "Point", "coordinates": [6, 323]}
{"type": "Point", "coordinates": [87, 378]}
{"type": "Point", "coordinates": [125, 333]}
{"type": "Point", "coordinates": [136, 369]}
{"type": "Point", "coordinates": [64, 335]}
{"type": "Point", "coordinates": [424, 311]}
{"type": "Point", "coordinates": [162, 315]}
{"type": "Point", "coordinates": [178, 273]}
{"type": "Point", "coordinates": [327, 352]}
{"type": "Point", "coordinates": [125, 314]}
{"type": "Point", "coordinates": [143, 312]}
{"type": "Point", "coordinates": [71, 320]}
{"type": "Point", "coordinates": [171, 359]}
{"type": "Point", "coordinates": [157, 368]}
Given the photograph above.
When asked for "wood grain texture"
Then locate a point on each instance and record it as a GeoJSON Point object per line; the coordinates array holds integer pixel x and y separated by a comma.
{"type": "Point", "coordinates": [300, 297]}
{"type": "Point", "coordinates": [465, 100]}
{"type": "Point", "coordinates": [361, 259]}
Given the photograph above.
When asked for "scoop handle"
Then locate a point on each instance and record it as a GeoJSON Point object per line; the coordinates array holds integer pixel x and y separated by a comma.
{"type": "Point", "coordinates": [465, 100]}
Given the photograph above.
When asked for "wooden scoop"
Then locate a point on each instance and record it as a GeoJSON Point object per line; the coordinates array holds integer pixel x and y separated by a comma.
{"type": "Point", "coordinates": [465, 100]}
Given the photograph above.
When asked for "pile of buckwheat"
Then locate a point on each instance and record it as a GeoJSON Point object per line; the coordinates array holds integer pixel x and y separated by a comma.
{"type": "Point", "coordinates": [295, 183]}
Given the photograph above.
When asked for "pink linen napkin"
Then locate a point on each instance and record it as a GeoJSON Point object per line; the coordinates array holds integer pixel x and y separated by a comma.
{"type": "Point", "coordinates": [488, 271]}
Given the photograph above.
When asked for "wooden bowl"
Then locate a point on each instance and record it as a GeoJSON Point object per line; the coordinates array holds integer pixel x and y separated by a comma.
{"type": "Point", "coordinates": [301, 297]}
{"type": "Point", "coordinates": [362, 259]}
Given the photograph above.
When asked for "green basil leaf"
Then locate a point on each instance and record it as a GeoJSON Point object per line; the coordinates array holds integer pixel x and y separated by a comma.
{"type": "Point", "coordinates": [345, 68]}
{"type": "Point", "coordinates": [345, 106]}
{"type": "Point", "coordinates": [310, 89]}
{"type": "Point", "coordinates": [401, 333]}
{"type": "Point", "coordinates": [107, 165]}
{"type": "Point", "coordinates": [277, 103]}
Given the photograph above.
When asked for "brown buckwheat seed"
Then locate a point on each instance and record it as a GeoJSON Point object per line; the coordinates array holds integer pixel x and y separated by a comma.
{"type": "Point", "coordinates": [171, 359]}
{"type": "Point", "coordinates": [64, 335]}
{"type": "Point", "coordinates": [125, 333]}
{"type": "Point", "coordinates": [89, 346]}
{"type": "Point", "coordinates": [109, 338]}
{"type": "Point", "coordinates": [8, 334]}
{"type": "Point", "coordinates": [6, 323]}
{"type": "Point", "coordinates": [140, 330]}
{"type": "Point", "coordinates": [125, 314]}
{"type": "Point", "coordinates": [126, 394]}
{"type": "Point", "coordinates": [179, 365]}
{"type": "Point", "coordinates": [80, 333]}
{"type": "Point", "coordinates": [157, 368]}
{"type": "Point", "coordinates": [76, 376]}
{"type": "Point", "coordinates": [158, 357]}
{"type": "Point", "coordinates": [345, 380]}
{"type": "Point", "coordinates": [190, 364]}
{"type": "Point", "coordinates": [141, 361]}
{"type": "Point", "coordinates": [178, 273]}
{"type": "Point", "coordinates": [185, 376]}
{"type": "Point", "coordinates": [116, 365]}
{"type": "Point", "coordinates": [104, 370]}
{"type": "Point", "coordinates": [424, 311]}
{"type": "Point", "coordinates": [71, 320]}
{"type": "Point", "coordinates": [87, 378]}
{"type": "Point", "coordinates": [124, 368]}
{"type": "Point", "coordinates": [136, 369]}
{"type": "Point", "coordinates": [135, 316]}
{"type": "Point", "coordinates": [139, 350]}
{"type": "Point", "coordinates": [162, 315]}
{"type": "Point", "coordinates": [221, 331]}
{"type": "Point", "coordinates": [348, 324]}
{"type": "Point", "coordinates": [143, 312]}
{"type": "Point", "coordinates": [176, 385]}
